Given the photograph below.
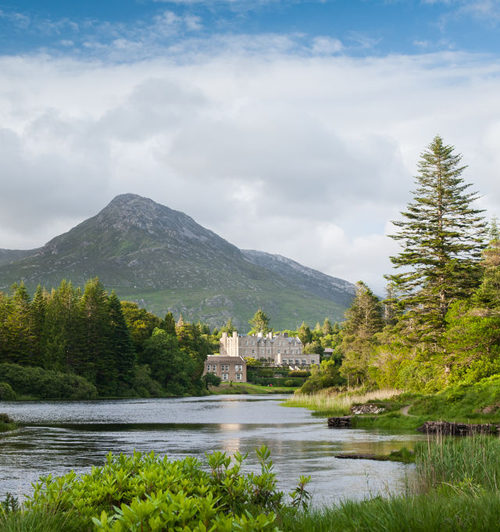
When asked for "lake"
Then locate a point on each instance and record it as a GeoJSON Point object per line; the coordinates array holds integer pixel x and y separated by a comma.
{"type": "Point", "coordinates": [60, 436]}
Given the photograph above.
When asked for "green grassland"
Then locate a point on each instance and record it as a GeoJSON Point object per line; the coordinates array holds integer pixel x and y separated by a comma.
{"type": "Point", "coordinates": [466, 403]}
{"type": "Point", "coordinates": [248, 388]}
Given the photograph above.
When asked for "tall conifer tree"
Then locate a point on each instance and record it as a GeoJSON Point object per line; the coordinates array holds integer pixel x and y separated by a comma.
{"type": "Point", "coordinates": [363, 320]}
{"type": "Point", "coordinates": [442, 237]}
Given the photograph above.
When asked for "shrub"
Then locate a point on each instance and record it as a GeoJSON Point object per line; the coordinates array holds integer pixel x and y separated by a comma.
{"type": "Point", "coordinates": [45, 384]}
{"type": "Point", "coordinates": [145, 492]}
{"type": "Point", "coordinates": [6, 392]}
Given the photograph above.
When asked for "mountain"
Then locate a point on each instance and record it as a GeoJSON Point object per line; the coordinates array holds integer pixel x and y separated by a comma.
{"type": "Point", "coordinates": [164, 260]}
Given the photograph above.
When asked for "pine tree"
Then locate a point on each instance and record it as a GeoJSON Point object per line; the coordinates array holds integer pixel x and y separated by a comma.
{"type": "Point", "coordinates": [442, 238]}
{"type": "Point", "coordinates": [121, 345]}
{"type": "Point", "coordinates": [304, 334]}
{"type": "Point", "coordinates": [260, 322]}
{"type": "Point", "coordinates": [327, 327]}
{"type": "Point", "coordinates": [168, 324]}
{"type": "Point", "coordinates": [38, 308]}
{"type": "Point", "coordinates": [229, 328]}
{"type": "Point", "coordinates": [363, 321]}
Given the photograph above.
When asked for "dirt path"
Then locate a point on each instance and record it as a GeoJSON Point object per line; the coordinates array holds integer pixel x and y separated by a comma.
{"type": "Point", "coordinates": [404, 411]}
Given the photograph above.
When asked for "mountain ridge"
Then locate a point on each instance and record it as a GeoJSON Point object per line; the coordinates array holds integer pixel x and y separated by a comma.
{"type": "Point", "coordinates": [165, 260]}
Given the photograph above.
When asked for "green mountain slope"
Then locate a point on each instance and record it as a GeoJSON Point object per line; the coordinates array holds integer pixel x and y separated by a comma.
{"type": "Point", "coordinates": [164, 260]}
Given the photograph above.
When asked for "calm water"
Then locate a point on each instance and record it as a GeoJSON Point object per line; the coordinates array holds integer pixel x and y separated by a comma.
{"type": "Point", "coordinates": [61, 436]}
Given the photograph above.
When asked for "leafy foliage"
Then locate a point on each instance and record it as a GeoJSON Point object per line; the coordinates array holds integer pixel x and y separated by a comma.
{"type": "Point", "coordinates": [148, 493]}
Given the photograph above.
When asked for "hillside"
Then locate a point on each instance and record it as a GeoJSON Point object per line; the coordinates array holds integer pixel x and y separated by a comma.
{"type": "Point", "coordinates": [164, 260]}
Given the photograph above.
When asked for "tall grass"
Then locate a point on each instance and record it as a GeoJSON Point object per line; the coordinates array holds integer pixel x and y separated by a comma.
{"type": "Point", "coordinates": [338, 404]}
{"type": "Point", "coordinates": [403, 514]}
{"type": "Point", "coordinates": [469, 463]}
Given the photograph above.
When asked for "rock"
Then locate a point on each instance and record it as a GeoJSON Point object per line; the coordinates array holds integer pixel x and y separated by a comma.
{"type": "Point", "coordinates": [368, 408]}
{"type": "Point", "coordinates": [339, 422]}
{"type": "Point", "coordinates": [490, 409]}
{"type": "Point", "coordinates": [457, 429]}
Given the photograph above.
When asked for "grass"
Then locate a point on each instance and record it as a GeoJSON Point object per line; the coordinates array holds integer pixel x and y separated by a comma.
{"type": "Point", "coordinates": [470, 465]}
{"type": "Point", "coordinates": [39, 521]}
{"type": "Point", "coordinates": [248, 388]}
{"type": "Point", "coordinates": [466, 403]}
{"type": "Point", "coordinates": [329, 403]}
{"type": "Point", "coordinates": [477, 403]}
{"type": "Point", "coordinates": [402, 514]}
{"type": "Point", "coordinates": [389, 421]}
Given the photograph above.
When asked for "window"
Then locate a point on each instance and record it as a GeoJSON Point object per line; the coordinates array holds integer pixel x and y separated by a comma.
{"type": "Point", "coordinates": [304, 362]}
{"type": "Point", "coordinates": [238, 367]}
{"type": "Point", "coordinates": [225, 376]}
{"type": "Point", "coordinates": [239, 376]}
{"type": "Point", "coordinates": [224, 367]}
{"type": "Point", "coordinates": [297, 362]}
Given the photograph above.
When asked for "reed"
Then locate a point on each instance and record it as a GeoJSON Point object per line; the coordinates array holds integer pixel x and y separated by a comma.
{"type": "Point", "coordinates": [333, 403]}
{"type": "Point", "coordinates": [460, 464]}
{"type": "Point", "coordinates": [421, 513]}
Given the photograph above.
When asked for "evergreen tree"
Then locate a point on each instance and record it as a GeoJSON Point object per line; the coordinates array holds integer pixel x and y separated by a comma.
{"type": "Point", "coordinates": [169, 323]}
{"type": "Point", "coordinates": [327, 327]}
{"type": "Point", "coordinates": [304, 334]}
{"type": "Point", "coordinates": [61, 341]}
{"type": "Point", "coordinates": [19, 338]}
{"type": "Point", "coordinates": [260, 322]}
{"type": "Point", "coordinates": [363, 321]}
{"type": "Point", "coordinates": [229, 328]}
{"type": "Point", "coordinates": [96, 362]}
{"type": "Point", "coordinates": [121, 344]}
{"type": "Point", "coordinates": [38, 309]}
{"type": "Point", "coordinates": [442, 238]}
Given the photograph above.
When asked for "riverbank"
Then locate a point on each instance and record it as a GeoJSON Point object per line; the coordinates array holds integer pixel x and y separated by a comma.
{"type": "Point", "coordinates": [237, 388]}
{"type": "Point", "coordinates": [477, 403]}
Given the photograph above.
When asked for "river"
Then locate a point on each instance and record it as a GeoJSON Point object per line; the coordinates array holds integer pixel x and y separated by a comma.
{"type": "Point", "coordinates": [60, 436]}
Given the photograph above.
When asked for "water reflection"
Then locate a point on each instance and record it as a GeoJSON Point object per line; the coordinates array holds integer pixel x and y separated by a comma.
{"type": "Point", "coordinates": [60, 436]}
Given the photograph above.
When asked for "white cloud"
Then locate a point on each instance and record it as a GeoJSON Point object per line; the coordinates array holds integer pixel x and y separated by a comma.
{"type": "Point", "coordinates": [309, 157]}
{"type": "Point", "coordinates": [326, 45]}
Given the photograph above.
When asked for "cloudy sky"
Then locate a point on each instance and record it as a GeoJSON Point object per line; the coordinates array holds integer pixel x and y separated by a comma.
{"type": "Point", "coordinates": [292, 127]}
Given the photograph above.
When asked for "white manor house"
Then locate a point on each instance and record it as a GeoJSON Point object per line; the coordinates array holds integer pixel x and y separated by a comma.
{"type": "Point", "coordinates": [279, 349]}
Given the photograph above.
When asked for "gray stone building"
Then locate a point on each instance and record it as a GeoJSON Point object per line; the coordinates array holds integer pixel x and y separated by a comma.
{"type": "Point", "coordinates": [228, 368]}
{"type": "Point", "coordinates": [280, 349]}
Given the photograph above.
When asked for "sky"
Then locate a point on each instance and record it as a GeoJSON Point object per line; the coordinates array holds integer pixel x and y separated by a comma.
{"type": "Point", "coordinates": [292, 127]}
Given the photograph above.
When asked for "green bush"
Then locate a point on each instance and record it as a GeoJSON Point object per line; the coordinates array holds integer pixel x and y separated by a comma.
{"type": "Point", "coordinates": [45, 384]}
{"type": "Point", "coordinates": [6, 392]}
{"type": "Point", "coordinates": [145, 492]}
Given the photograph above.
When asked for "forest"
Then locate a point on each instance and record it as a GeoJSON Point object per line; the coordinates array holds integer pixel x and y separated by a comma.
{"type": "Point", "coordinates": [81, 344]}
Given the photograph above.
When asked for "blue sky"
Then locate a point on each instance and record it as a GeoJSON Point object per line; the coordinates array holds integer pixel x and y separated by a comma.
{"type": "Point", "coordinates": [363, 27]}
{"type": "Point", "coordinates": [289, 127]}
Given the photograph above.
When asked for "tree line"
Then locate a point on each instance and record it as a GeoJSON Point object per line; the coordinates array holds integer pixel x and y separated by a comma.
{"type": "Point", "coordinates": [117, 348]}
